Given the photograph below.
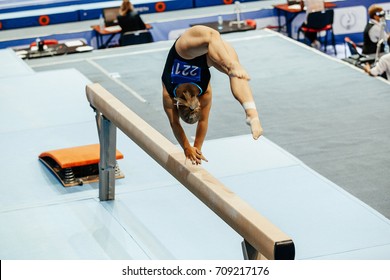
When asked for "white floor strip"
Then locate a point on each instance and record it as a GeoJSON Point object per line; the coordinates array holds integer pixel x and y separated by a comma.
{"type": "Point", "coordinates": [130, 90]}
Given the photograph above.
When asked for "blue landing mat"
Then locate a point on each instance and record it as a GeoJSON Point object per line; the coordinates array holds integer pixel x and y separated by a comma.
{"type": "Point", "coordinates": [12, 66]}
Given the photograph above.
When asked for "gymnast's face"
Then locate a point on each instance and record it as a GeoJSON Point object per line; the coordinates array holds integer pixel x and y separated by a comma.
{"type": "Point", "coordinates": [187, 102]}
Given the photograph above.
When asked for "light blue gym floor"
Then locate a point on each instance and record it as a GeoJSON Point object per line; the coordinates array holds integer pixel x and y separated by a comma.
{"type": "Point", "coordinates": [153, 216]}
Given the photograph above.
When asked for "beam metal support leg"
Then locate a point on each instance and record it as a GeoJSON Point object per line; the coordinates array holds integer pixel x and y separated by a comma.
{"type": "Point", "coordinates": [107, 138]}
{"type": "Point", "coordinates": [250, 253]}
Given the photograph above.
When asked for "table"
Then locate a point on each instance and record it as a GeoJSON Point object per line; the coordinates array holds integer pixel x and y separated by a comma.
{"type": "Point", "coordinates": [291, 12]}
{"type": "Point", "coordinates": [361, 60]}
{"type": "Point", "coordinates": [109, 33]}
{"type": "Point", "coordinates": [69, 47]}
{"type": "Point", "coordinates": [227, 26]}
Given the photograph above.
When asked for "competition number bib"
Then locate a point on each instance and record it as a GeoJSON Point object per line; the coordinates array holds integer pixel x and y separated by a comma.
{"type": "Point", "coordinates": [183, 72]}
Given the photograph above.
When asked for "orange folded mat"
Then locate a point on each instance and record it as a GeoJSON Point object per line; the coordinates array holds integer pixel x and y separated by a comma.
{"type": "Point", "coordinates": [77, 156]}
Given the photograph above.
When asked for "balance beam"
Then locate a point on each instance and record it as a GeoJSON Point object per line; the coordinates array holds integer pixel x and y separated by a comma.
{"type": "Point", "coordinates": [261, 237]}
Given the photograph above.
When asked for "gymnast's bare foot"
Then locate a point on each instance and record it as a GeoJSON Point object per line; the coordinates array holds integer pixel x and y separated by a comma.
{"type": "Point", "coordinates": [255, 125]}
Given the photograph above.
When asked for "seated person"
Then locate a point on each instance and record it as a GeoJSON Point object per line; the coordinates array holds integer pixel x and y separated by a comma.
{"type": "Point", "coordinates": [381, 67]}
{"type": "Point", "coordinates": [128, 18]}
{"type": "Point", "coordinates": [375, 30]}
{"type": "Point", "coordinates": [313, 6]}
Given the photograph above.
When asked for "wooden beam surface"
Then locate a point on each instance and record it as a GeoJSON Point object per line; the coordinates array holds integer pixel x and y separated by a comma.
{"type": "Point", "coordinates": [265, 237]}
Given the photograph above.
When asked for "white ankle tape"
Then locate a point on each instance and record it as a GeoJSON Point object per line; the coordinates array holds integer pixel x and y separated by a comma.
{"type": "Point", "coordinates": [249, 105]}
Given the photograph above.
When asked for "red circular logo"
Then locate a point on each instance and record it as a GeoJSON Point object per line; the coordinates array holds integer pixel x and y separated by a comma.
{"type": "Point", "coordinates": [44, 20]}
{"type": "Point", "coordinates": [160, 7]}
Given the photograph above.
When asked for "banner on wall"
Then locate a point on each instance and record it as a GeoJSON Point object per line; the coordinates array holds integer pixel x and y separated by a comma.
{"type": "Point", "coordinates": [354, 19]}
{"type": "Point", "coordinates": [347, 20]}
{"type": "Point", "coordinates": [350, 20]}
{"type": "Point", "coordinates": [386, 7]}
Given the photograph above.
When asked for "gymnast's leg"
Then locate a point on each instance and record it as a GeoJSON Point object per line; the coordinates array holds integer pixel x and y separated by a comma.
{"type": "Point", "coordinates": [243, 93]}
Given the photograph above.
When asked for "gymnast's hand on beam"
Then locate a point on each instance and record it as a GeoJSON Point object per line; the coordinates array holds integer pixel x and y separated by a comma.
{"type": "Point", "coordinates": [194, 155]}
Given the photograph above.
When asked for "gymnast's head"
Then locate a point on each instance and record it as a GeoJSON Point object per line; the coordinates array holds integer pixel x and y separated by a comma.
{"type": "Point", "coordinates": [187, 102]}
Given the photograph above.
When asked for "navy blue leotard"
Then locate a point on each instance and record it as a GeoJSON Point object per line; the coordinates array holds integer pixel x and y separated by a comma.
{"type": "Point", "coordinates": [178, 70]}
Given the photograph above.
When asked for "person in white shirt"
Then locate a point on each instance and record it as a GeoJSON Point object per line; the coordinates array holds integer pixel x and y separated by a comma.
{"type": "Point", "coordinates": [382, 66]}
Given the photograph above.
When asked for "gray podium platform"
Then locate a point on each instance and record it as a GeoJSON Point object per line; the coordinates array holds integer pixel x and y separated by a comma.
{"type": "Point", "coordinates": [153, 216]}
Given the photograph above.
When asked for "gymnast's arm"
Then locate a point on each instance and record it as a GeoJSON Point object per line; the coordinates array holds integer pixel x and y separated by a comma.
{"type": "Point", "coordinates": [203, 123]}
{"type": "Point", "coordinates": [174, 121]}
{"type": "Point", "coordinates": [192, 153]}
